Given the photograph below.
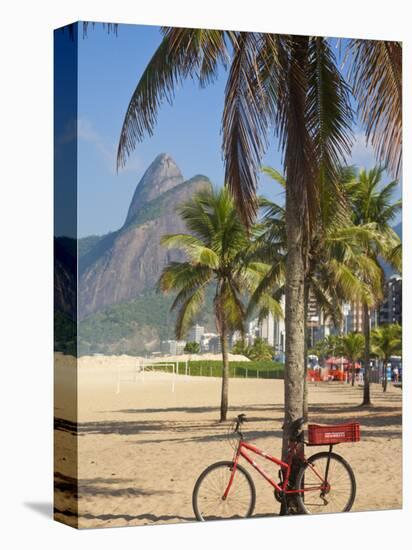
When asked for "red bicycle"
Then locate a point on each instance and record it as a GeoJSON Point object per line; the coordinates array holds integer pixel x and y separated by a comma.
{"type": "Point", "coordinates": [325, 482]}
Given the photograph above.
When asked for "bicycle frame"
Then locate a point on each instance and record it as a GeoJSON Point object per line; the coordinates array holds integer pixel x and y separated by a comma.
{"type": "Point", "coordinates": [286, 466]}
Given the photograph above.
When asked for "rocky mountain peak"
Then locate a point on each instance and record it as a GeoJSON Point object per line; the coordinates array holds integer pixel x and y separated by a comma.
{"type": "Point", "coordinates": [163, 174]}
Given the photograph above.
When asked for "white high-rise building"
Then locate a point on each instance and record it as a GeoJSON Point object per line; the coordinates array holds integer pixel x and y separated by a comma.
{"type": "Point", "coordinates": [272, 329]}
{"type": "Point", "coordinates": [196, 333]}
{"type": "Point", "coordinates": [172, 347]}
{"type": "Point", "coordinates": [252, 331]}
{"type": "Point", "coordinates": [267, 329]}
{"type": "Point", "coordinates": [205, 340]}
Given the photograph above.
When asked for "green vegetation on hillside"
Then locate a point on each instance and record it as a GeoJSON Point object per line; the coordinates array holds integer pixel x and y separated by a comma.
{"type": "Point", "coordinates": [85, 244]}
{"type": "Point", "coordinates": [134, 327]}
{"type": "Point", "coordinates": [64, 333]}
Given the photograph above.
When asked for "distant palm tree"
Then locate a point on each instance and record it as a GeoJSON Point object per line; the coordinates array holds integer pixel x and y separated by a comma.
{"type": "Point", "coordinates": [216, 251]}
{"type": "Point", "coordinates": [336, 256]}
{"type": "Point", "coordinates": [386, 341]}
{"type": "Point", "coordinates": [331, 346]}
{"type": "Point", "coordinates": [353, 346]}
{"type": "Point", "coordinates": [373, 204]}
{"type": "Point", "coordinates": [260, 350]}
{"type": "Point", "coordinates": [336, 252]}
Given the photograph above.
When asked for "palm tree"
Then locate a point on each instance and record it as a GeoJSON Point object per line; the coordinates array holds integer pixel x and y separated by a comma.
{"type": "Point", "coordinates": [216, 250]}
{"type": "Point", "coordinates": [336, 257]}
{"type": "Point", "coordinates": [386, 341]}
{"type": "Point", "coordinates": [331, 346]}
{"type": "Point", "coordinates": [260, 350]}
{"type": "Point", "coordinates": [290, 84]}
{"type": "Point", "coordinates": [372, 203]}
{"type": "Point", "coordinates": [353, 345]}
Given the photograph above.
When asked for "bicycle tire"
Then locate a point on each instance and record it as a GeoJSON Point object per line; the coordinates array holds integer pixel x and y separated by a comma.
{"type": "Point", "coordinates": [311, 502]}
{"type": "Point", "coordinates": [198, 497]}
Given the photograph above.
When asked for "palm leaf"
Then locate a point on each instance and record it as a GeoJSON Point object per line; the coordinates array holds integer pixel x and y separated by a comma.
{"type": "Point", "coordinates": [275, 175]}
{"type": "Point", "coordinates": [188, 310]}
{"type": "Point", "coordinates": [248, 110]}
{"type": "Point", "coordinates": [375, 70]}
{"type": "Point", "coordinates": [329, 121]}
{"type": "Point", "coordinates": [178, 276]}
{"type": "Point", "coordinates": [194, 248]}
{"type": "Point", "coordinates": [329, 111]}
{"type": "Point", "coordinates": [295, 140]}
{"type": "Point", "coordinates": [182, 53]}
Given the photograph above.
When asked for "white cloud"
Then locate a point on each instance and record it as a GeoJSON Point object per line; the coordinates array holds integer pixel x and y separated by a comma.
{"type": "Point", "coordinates": [106, 150]}
{"type": "Point", "coordinates": [362, 154]}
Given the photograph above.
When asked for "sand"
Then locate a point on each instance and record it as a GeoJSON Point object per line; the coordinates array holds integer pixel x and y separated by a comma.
{"type": "Point", "coordinates": [143, 442]}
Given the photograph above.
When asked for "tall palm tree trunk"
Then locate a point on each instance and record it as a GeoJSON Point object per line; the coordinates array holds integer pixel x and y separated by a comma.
{"type": "Point", "coordinates": [295, 332]}
{"type": "Point", "coordinates": [294, 325]}
{"type": "Point", "coordinates": [385, 375]}
{"type": "Point", "coordinates": [296, 218]}
{"type": "Point", "coordinates": [366, 377]}
{"type": "Point", "coordinates": [224, 402]}
{"type": "Point", "coordinates": [353, 373]}
{"type": "Point", "coordinates": [305, 366]}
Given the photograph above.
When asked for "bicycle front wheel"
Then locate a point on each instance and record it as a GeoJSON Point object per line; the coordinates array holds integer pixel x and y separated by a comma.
{"type": "Point", "coordinates": [208, 499]}
{"type": "Point", "coordinates": [325, 494]}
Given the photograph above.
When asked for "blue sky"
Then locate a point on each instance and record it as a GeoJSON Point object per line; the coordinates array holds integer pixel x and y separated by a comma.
{"type": "Point", "coordinates": [189, 130]}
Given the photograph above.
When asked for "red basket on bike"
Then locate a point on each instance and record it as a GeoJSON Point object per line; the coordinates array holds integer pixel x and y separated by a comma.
{"type": "Point", "coordinates": [329, 435]}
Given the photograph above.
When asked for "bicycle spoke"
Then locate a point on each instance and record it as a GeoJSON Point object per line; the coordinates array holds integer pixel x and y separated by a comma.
{"type": "Point", "coordinates": [209, 497]}
{"type": "Point", "coordinates": [332, 495]}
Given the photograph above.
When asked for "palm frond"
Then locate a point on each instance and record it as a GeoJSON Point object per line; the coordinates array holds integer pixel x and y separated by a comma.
{"type": "Point", "coordinates": [188, 310]}
{"type": "Point", "coordinates": [247, 113]}
{"type": "Point", "coordinates": [329, 111]}
{"type": "Point", "coordinates": [387, 340]}
{"type": "Point", "coordinates": [194, 248]}
{"type": "Point", "coordinates": [394, 257]}
{"type": "Point", "coordinates": [329, 122]}
{"type": "Point", "coordinates": [178, 276]}
{"type": "Point", "coordinates": [275, 175]}
{"type": "Point", "coordinates": [273, 278]}
{"type": "Point", "coordinates": [328, 299]}
{"type": "Point", "coordinates": [292, 128]}
{"type": "Point", "coordinates": [375, 70]}
{"type": "Point", "coordinates": [229, 308]}
{"type": "Point", "coordinates": [351, 285]}
{"type": "Point", "coordinates": [182, 53]}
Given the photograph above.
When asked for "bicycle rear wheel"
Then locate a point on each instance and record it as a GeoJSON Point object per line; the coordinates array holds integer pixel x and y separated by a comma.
{"type": "Point", "coordinates": [336, 495]}
{"type": "Point", "coordinates": [208, 502]}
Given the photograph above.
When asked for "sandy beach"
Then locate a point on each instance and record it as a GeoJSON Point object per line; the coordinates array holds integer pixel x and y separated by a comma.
{"type": "Point", "coordinates": [143, 439]}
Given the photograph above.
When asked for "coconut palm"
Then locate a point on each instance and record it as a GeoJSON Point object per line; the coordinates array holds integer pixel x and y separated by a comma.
{"type": "Point", "coordinates": [331, 346]}
{"type": "Point", "coordinates": [336, 250]}
{"type": "Point", "coordinates": [336, 256]}
{"type": "Point", "coordinates": [289, 84]}
{"type": "Point", "coordinates": [353, 345]}
{"type": "Point", "coordinates": [386, 341]}
{"type": "Point", "coordinates": [373, 203]}
{"type": "Point", "coordinates": [216, 251]}
{"type": "Point", "coordinates": [260, 350]}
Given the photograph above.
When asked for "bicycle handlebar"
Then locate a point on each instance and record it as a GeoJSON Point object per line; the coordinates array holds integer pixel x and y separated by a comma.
{"type": "Point", "coordinates": [240, 419]}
